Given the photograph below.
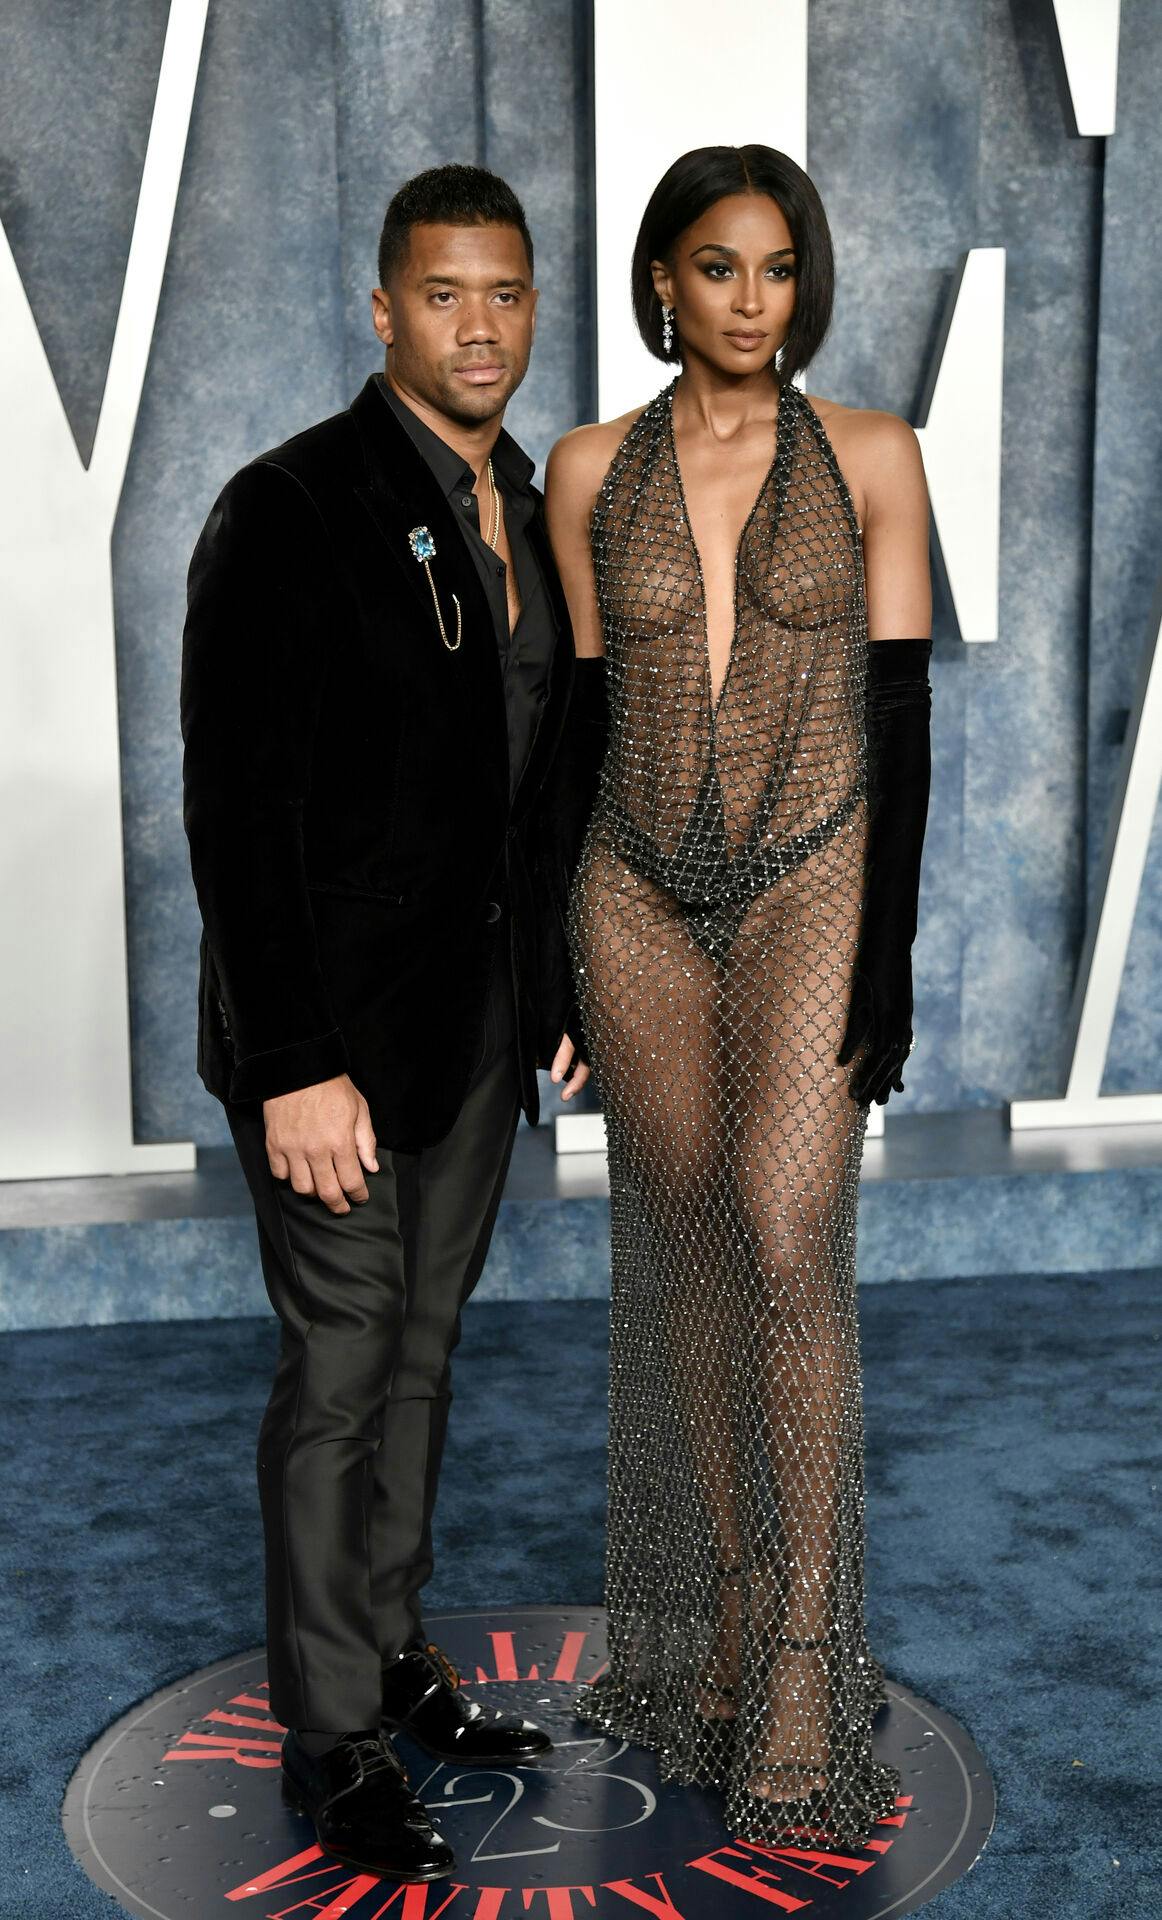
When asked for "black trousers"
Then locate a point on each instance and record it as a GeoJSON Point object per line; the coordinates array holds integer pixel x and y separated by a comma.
{"type": "Point", "coordinates": [350, 1446]}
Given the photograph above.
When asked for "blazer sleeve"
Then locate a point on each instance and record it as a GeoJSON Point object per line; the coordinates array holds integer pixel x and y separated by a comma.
{"type": "Point", "coordinates": [254, 663]}
{"type": "Point", "coordinates": [568, 798]}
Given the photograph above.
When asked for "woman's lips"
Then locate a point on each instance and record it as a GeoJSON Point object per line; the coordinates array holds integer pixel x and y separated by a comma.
{"type": "Point", "coordinates": [747, 341]}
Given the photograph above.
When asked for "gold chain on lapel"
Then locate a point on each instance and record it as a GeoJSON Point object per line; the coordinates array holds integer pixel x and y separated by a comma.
{"type": "Point", "coordinates": [453, 646]}
{"type": "Point", "coordinates": [424, 549]}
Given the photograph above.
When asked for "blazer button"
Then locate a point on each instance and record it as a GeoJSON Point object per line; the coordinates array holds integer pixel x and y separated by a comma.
{"type": "Point", "coordinates": [492, 911]}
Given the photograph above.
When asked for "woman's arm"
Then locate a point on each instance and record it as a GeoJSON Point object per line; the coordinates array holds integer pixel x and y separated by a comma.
{"type": "Point", "coordinates": [898, 703]}
{"type": "Point", "coordinates": [575, 471]}
{"type": "Point", "coordinates": [895, 529]}
{"type": "Point", "coordinates": [576, 468]}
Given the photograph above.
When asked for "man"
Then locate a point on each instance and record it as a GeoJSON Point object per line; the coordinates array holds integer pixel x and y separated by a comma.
{"type": "Point", "coordinates": [377, 667]}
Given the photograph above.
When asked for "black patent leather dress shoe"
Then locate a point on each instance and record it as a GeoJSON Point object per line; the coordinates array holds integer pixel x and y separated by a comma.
{"type": "Point", "coordinates": [364, 1811]}
{"type": "Point", "coordinates": [422, 1698]}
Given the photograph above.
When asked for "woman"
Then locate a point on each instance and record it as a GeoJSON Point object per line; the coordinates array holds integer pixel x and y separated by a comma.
{"type": "Point", "coordinates": [741, 924]}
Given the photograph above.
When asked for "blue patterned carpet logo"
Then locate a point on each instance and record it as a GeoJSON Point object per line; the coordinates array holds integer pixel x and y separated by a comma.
{"type": "Point", "coordinates": [177, 1810]}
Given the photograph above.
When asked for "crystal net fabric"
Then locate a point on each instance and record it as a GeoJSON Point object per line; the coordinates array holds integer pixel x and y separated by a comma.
{"type": "Point", "coordinates": [714, 925]}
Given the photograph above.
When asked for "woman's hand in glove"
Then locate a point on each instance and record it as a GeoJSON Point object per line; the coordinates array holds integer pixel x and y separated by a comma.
{"type": "Point", "coordinates": [898, 704]}
{"type": "Point", "coordinates": [880, 1021]}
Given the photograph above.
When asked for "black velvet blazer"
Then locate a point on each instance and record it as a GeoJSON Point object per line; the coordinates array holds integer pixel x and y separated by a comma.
{"type": "Point", "coordinates": [347, 788]}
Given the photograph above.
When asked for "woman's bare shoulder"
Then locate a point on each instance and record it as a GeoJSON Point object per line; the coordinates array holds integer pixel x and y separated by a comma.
{"type": "Point", "coordinates": [878, 454]}
{"type": "Point", "coordinates": [581, 459]}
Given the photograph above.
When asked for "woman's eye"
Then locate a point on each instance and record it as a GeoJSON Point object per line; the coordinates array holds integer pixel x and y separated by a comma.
{"type": "Point", "coordinates": [717, 270]}
{"type": "Point", "coordinates": [782, 273]}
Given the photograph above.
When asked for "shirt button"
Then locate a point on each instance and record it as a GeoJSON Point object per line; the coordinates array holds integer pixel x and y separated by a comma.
{"type": "Point", "coordinates": [465, 499]}
{"type": "Point", "coordinates": [492, 911]}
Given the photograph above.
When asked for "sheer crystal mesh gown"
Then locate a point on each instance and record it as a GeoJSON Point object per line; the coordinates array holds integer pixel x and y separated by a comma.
{"type": "Point", "coordinates": [714, 924]}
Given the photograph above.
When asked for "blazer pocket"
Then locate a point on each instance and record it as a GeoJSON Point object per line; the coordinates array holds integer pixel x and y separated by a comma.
{"type": "Point", "coordinates": [224, 1022]}
{"type": "Point", "coordinates": [342, 892]}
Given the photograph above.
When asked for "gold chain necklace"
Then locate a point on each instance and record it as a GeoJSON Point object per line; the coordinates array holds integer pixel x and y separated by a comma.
{"type": "Point", "coordinates": [493, 534]}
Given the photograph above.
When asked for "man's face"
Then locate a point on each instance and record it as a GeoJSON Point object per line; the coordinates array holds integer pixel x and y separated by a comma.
{"type": "Point", "coordinates": [458, 319]}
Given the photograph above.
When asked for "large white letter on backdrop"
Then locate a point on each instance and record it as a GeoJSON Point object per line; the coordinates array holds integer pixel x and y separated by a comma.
{"type": "Point", "coordinates": [639, 128]}
{"type": "Point", "coordinates": [656, 95]}
{"type": "Point", "coordinates": [64, 1002]}
{"type": "Point", "coordinates": [960, 439]}
{"type": "Point", "coordinates": [1088, 32]}
{"type": "Point", "coordinates": [1107, 941]}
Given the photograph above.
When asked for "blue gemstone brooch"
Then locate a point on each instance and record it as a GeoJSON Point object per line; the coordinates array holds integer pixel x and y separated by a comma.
{"type": "Point", "coordinates": [424, 550]}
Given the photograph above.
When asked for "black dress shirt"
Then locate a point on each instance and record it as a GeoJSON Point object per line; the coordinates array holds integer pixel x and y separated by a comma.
{"type": "Point", "coordinates": [526, 651]}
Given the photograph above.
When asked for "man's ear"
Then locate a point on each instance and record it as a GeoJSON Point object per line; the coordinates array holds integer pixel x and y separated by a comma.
{"type": "Point", "coordinates": [536, 298]}
{"type": "Point", "coordinates": [381, 316]}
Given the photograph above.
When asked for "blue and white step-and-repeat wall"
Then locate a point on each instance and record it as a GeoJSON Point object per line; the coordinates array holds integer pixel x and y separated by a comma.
{"type": "Point", "coordinates": [190, 197]}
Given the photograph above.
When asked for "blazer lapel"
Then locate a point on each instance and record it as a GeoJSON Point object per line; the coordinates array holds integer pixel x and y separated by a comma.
{"type": "Point", "coordinates": [400, 495]}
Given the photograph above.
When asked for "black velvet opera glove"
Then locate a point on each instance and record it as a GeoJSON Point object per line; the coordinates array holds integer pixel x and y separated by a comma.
{"type": "Point", "coordinates": [572, 790]}
{"type": "Point", "coordinates": [899, 705]}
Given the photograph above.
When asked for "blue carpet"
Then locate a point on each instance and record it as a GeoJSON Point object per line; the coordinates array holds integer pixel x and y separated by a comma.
{"type": "Point", "coordinates": [1013, 1570]}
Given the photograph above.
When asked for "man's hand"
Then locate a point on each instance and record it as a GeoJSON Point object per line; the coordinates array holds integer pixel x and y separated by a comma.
{"type": "Point", "coordinates": [562, 1061]}
{"type": "Point", "coordinates": [320, 1139]}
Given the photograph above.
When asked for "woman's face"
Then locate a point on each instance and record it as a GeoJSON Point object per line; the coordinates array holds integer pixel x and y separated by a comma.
{"type": "Point", "coordinates": [731, 283]}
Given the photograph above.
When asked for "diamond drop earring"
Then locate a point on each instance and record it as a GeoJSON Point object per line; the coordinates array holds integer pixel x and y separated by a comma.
{"type": "Point", "coordinates": [667, 329]}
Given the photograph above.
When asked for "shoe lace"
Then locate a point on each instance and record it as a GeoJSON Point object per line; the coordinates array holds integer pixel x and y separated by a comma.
{"type": "Point", "coordinates": [377, 1756]}
{"type": "Point", "coordinates": [442, 1662]}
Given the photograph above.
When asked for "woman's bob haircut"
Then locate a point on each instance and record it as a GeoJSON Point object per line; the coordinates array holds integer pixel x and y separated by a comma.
{"type": "Point", "coordinates": [692, 185]}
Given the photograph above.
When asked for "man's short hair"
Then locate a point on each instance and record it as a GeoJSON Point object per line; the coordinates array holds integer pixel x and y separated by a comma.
{"type": "Point", "coordinates": [453, 196]}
